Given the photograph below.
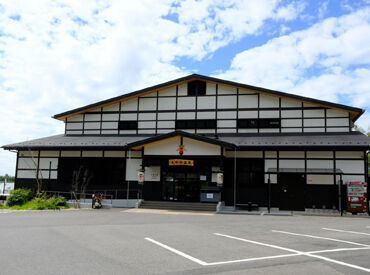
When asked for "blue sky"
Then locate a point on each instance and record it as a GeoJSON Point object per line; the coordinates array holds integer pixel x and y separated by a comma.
{"type": "Point", "coordinates": [59, 55]}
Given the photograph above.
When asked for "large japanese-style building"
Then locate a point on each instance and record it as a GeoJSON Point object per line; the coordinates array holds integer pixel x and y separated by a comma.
{"type": "Point", "coordinates": [273, 149]}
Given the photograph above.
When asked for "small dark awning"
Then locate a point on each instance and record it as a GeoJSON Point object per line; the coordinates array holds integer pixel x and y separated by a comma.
{"type": "Point", "coordinates": [317, 171]}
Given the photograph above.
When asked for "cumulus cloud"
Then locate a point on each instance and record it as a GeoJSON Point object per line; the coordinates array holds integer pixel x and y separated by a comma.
{"type": "Point", "coordinates": [330, 60]}
{"type": "Point", "coordinates": [59, 55]}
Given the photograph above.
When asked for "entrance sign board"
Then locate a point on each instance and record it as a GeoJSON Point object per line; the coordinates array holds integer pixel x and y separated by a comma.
{"type": "Point", "coordinates": [356, 196]}
{"type": "Point", "coordinates": [180, 162]}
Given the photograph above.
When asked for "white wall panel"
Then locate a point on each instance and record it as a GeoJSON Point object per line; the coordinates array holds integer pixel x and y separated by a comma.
{"type": "Point", "coordinates": [350, 154]}
{"type": "Point", "coordinates": [27, 163]}
{"type": "Point", "coordinates": [73, 132]}
{"type": "Point", "coordinates": [248, 101]}
{"type": "Point", "coordinates": [110, 117]}
{"type": "Point", "coordinates": [226, 131]}
{"type": "Point", "coordinates": [146, 104]}
{"type": "Point", "coordinates": [337, 122]}
{"type": "Point", "coordinates": [351, 166]}
{"type": "Point", "coordinates": [133, 154]}
{"type": "Point", "coordinates": [206, 131]}
{"type": "Point", "coordinates": [230, 114]}
{"type": "Point", "coordinates": [147, 116]}
{"type": "Point", "coordinates": [146, 124]}
{"type": "Point", "coordinates": [244, 154]}
{"type": "Point", "coordinates": [45, 162]}
{"type": "Point", "coordinates": [171, 91]}
{"type": "Point", "coordinates": [314, 113]}
{"type": "Point", "coordinates": [183, 89]}
{"type": "Point", "coordinates": [109, 125]}
{"type": "Point", "coordinates": [78, 117]}
{"type": "Point", "coordinates": [314, 122]}
{"type": "Point", "coordinates": [26, 174]}
{"type": "Point", "coordinates": [92, 117]}
{"type": "Point", "coordinates": [226, 90]}
{"type": "Point", "coordinates": [291, 130]}
{"type": "Point", "coordinates": [166, 124]}
{"type": "Point", "coordinates": [28, 153]}
{"type": "Point", "coordinates": [344, 129]}
{"type": "Point", "coordinates": [186, 115]}
{"type": "Point", "coordinates": [289, 163]}
{"type": "Point", "coordinates": [320, 179]}
{"type": "Point", "coordinates": [226, 123]}
{"type": "Point", "coordinates": [211, 88]}
{"type": "Point", "coordinates": [269, 101]}
{"type": "Point", "coordinates": [110, 108]}
{"type": "Point", "coordinates": [246, 92]}
{"type": "Point", "coordinates": [166, 147]}
{"type": "Point", "coordinates": [248, 114]}
{"type": "Point", "coordinates": [114, 154]}
{"type": "Point", "coordinates": [336, 113]}
{"type": "Point", "coordinates": [319, 154]}
{"type": "Point", "coordinates": [269, 114]}
{"type": "Point", "coordinates": [326, 164]}
{"type": "Point", "coordinates": [269, 130]}
{"type": "Point", "coordinates": [132, 165]}
{"type": "Point", "coordinates": [225, 102]}
{"type": "Point", "coordinates": [314, 130]}
{"type": "Point", "coordinates": [146, 131]}
{"type": "Point", "coordinates": [167, 103]}
{"type": "Point", "coordinates": [94, 154]}
{"type": "Point", "coordinates": [270, 154]}
{"type": "Point", "coordinates": [290, 103]}
{"type": "Point", "coordinates": [128, 116]}
{"type": "Point", "coordinates": [91, 132]}
{"type": "Point", "coordinates": [195, 147]}
{"type": "Point", "coordinates": [92, 125]}
{"type": "Point", "coordinates": [49, 153]}
{"type": "Point", "coordinates": [206, 102]}
{"type": "Point", "coordinates": [291, 154]}
{"type": "Point", "coordinates": [206, 115]}
{"type": "Point", "coordinates": [248, 131]}
{"type": "Point", "coordinates": [74, 126]}
{"type": "Point", "coordinates": [127, 132]}
{"type": "Point", "coordinates": [166, 116]}
{"type": "Point", "coordinates": [291, 123]}
{"type": "Point", "coordinates": [186, 102]}
{"type": "Point", "coordinates": [291, 113]}
{"type": "Point", "coordinates": [109, 132]}
{"type": "Point", "coordinates": [129, 105]}
{"type": "Point", "coordinates": [270, 163]}
{"type": "Point", "coordinates": [70, 153]}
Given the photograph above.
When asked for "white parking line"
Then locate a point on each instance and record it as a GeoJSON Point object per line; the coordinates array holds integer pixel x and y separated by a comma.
{"type": "Point", "coordinates": [346, 231]}
{"type": "Point", "coordinates": [178, 252]}
{"type": "Point", "coordinates": [301, 253]}
{"type": "Point", "coordinates": [295, 253]}
{"type": "Point", "coordinates": [318, 237]}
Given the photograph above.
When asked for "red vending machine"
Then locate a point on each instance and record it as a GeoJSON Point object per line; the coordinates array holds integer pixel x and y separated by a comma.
{"type": "Point", "coordinates": [356, 196]}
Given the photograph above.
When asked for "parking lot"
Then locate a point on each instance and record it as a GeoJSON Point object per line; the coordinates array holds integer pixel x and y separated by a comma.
{"type": "Point", "coordinates": [119, 241]}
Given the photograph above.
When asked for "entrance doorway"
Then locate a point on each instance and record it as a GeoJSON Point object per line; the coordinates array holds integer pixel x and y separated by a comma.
{"type": "Point", "coordinates": [182, 186]}
{"type": "Point", "coordinates": [292, 191]}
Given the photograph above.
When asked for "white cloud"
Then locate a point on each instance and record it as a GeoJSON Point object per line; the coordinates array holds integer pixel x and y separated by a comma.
{"type": "Point", "coordinates": [330, 60]}
{"type": "Point", "coordinates": [58, 55]}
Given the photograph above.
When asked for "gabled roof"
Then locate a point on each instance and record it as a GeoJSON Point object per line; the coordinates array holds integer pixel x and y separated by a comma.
{"type": "Point", "coordinates": [356, 112]}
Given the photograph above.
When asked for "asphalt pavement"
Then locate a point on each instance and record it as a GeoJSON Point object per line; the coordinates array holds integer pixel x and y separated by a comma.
{"type": "Point", "coordinates": [135, 241]}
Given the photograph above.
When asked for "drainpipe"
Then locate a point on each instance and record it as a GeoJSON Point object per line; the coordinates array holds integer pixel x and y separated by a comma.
{"type": "Point", "coordinates": [234, 178]}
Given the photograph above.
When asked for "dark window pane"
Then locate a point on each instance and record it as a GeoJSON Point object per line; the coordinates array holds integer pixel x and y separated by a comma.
{"type": "Point", "coordinates": [127, 125]}
{"type": "Point", "coordinates": [196, 87]}
{"type": "Point", "coordinates": [269, 123]}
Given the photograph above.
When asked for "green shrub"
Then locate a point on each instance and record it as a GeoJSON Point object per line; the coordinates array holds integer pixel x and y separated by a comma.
{"type": "Point", "coordinates": [19, 197]}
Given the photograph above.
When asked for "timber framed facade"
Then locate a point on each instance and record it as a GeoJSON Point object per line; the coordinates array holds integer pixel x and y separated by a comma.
{"type": "Point", "coordinates": [274, 149]}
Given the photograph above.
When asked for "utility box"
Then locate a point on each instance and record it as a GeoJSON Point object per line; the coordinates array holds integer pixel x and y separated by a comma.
{"type": "Point", "coordinates": [356, 196]}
